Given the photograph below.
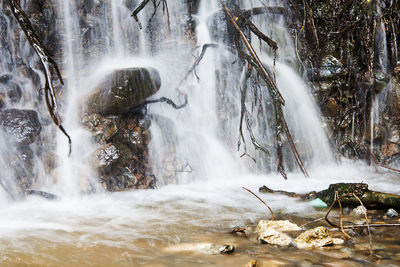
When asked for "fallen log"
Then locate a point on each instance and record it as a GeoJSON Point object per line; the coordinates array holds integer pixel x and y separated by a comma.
{"type": "Point", "coordinates": [370, 199]}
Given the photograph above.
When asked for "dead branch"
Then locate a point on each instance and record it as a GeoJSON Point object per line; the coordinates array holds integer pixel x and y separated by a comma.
{"type": "Point", "coordinates": [245, 20]}
{"type": "Point", "coordinates": [376, 163]}
{"type": "Point", "coordinates": [270, 210]}
{"type": "Point", "coordinates": [277, 99]}
{"type": "Point", "coordinates": [47, 62]}
{"type": "Point", "coordinates": [160, 100]}
{"type": "Point", "coordinates": [244, 115]}
{"type": "Point", "coordinates": [137, 11]}
{"type": "Point", "coordinates": [197, 62]}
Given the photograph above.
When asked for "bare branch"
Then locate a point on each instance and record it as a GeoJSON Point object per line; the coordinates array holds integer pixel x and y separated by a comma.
{"type": "Point", "coordinates": [47, 62]}
{"type": "Point", "coordinates": [270, 210]}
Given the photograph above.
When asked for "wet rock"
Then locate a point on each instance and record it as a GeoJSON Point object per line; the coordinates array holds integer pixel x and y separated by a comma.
{"type": "Point", "coordinates": [394, 99]}
{"type": "Point", "coordinates": [381, 80]}
{"type": "Point", "coordinates": [274, 237]}
{"type": "Point", "coordinates": [392, 213]}
{"type": "Point", "coordinates": [378, 134]}
{"type": "Point", "coordinates": [226, 249]}
{"type": "Point", "coordinates": [110, 130]}
{"type": "Point", "coordinates": [41, 194]}
{"type": "Point", "coordinates": [202, 248]}
{"type": "Point", "coordinates": [21, 161]}
{"type": "Point", "coordinates": [281, 226]}
{"type": "Point", "coordinates": [124, 89]}
{"type": "Point", "coordinates": [390, 150]}
{"type": "Point", "coordinates": [22, 126]}
{"type": "Point", "coordinates": [332, 108]}
{"type": "Point", "coordinates": [1, 101]}
{"type": "Point", "coordinates": [317, 237]}
{"type": "Point", "coordinates": [4, 78]}
{"type": "Point", "coordinates": [337, 241]}
{"type": "Point", "coordinates": [252, 263]}
{"type": "Point", "coordinates": [14, 91]}
{"type": "Point", "coordinates": [107, 155]}
{"type": "Point", "coordinates": [360, 211]}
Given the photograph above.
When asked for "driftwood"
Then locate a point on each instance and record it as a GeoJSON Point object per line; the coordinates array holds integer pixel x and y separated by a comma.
{"type": "Point", "coordinates": [350, 194]}
{"type": "Point", "coordinates": [277, 98]}
{"type": "Point", "coordinates": [47, 62]}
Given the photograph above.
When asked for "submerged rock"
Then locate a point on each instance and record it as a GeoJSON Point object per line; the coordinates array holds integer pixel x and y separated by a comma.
{"type": "Point", "coordinates": [317, 237]}
{"type": "Point", "coordinates": [202, 247]}
{"type": "Point", "coordinates": [22, 126]}
{"type": "Point", "coordinates": [226, 249]}
{"type": "Point", "coordinates": [360, 210]}
{"type": "Point", "coordinates": [274, 237]}
{"type": "Point", "coordinates": [124, 89]}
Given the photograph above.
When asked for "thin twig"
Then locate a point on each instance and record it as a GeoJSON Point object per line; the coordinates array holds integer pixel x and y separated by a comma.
{"type": "Point", "coordinates": [197, 62]}
{"type": "Point", "coordinates": [366, 220]}
{"type": "Point", "coordinates": [277, 100]}
{"type": "Point", "coordinates": [270, 210]}
{"type": "Point", "coordinates": [137, 10]}
{"type": "Point", "coordinates": [347, 236]}
{"type": "Point", "coordinates": [379, 164]}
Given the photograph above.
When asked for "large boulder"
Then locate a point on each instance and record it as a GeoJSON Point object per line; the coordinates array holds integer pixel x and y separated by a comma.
{"type": "Point", "coordinates": [123, 89]}
{"type": "Point", "coordinates": [21, 126]}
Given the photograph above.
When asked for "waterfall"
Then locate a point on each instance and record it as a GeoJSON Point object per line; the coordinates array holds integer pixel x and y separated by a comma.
{"type": "Point", "coordinates": [198, 142]}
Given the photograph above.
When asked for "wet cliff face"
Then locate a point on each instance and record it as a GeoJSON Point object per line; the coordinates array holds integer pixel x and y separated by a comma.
{"type": "Point", "coordinates": [349, 52]}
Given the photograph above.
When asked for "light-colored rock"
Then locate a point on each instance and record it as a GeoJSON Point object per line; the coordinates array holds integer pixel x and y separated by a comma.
{"type": "Point", "coordinates": [252, 263]}
{"type": "Point", "coordinates": [360, 211]}
{"type": "Point", "coordinates": [282, 226]}
{"type": "Point", "coordinates": [337, 241]}
{"type": "Point", "coordinates": [392, 213]}
{"type": "Point", "coordinates": [226, 249]}
{"type": "Point", "coordinates": [274, 237]}
{"type": "Point", "coordinates": [317, 237]}
{"type": "Point", "coordinates": [201, 248]}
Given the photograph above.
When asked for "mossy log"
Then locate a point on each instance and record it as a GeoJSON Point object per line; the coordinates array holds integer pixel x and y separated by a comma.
{"type": "Point", "coordinates": [370, 198]}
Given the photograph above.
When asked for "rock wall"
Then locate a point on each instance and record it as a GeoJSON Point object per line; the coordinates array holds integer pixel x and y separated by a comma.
{"type": "Point", "coordinates": [349, 53]}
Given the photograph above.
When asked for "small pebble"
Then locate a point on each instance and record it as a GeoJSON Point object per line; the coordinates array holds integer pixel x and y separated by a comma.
{"type": "Point", "coordinates": [226, 249]}
{"type": "Point", "coordinates": [392, 213]}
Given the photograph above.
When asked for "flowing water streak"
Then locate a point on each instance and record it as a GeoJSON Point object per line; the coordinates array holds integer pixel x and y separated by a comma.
{"type": "Point", "coordinates": [73, 175]}
{"type": "Point", "coordinates": [301, 112]}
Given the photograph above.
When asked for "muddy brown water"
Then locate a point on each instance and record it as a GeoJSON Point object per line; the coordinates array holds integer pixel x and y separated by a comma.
{"type": "Point", "coordinates": [176, 226]}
